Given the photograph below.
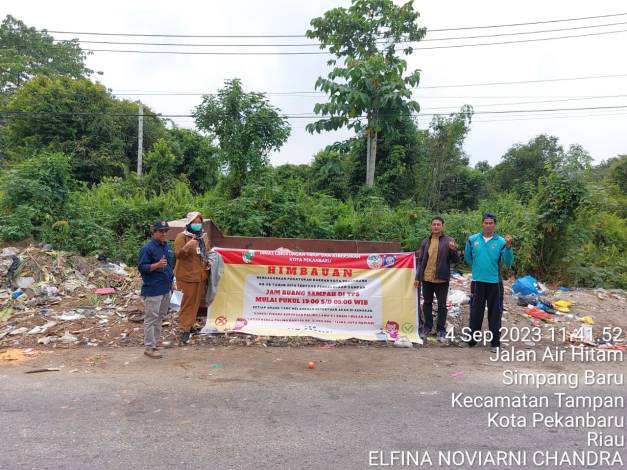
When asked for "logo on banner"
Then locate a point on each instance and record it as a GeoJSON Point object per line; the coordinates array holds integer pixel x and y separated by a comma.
{"type": "Point", "coordinates": [374, 261]}
{"type": "Point", "coordinates": [240, 323]}
{"type": "Point", "coordinates": [248, 256]}
{"type": "Point", "coordinates": [407, 328]}
{"type": "Point", "coordinates": [389, 261]}
{"type": "Point", "coordinates": [221, 320]}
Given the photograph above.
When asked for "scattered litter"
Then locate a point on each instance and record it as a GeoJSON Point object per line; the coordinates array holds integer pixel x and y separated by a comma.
{"type": "Point", "coordinates": [70, 317]}
{"type": "Point", "coordinates": [5, 314]}
{"type": "Point", "coordinates": [68, 338]}
{"type": "Point", "coordinates": [16, 294]}
{"type": "Point", "coordinates": [562, 305]}
{"type": "Point", "coordinates": [540, 314]}
{"type": "Point", "coordinates": [215, 365]}
{"type": "Point", "coordinates": [136, 317]}
{"type": "Point", "coordinates": [546, 306]}
{"type": "Point", "coordinates": [104, 291]}
{"type": "Point", "coordinates": [24, 282]}
{"type": "Point", "coordinates": [38, 330]}
{"type": "Point", "coordinates": [459, 373]}
{"type": "Point", "coordinates": [45, 369]}
{"type": "Point", "coordinates": [527, 285]}
{"type": "Point", "coordinates": [311, 365]}
{"type": "Point", "coordinates": [457, 297]}
{"type": "Point", "coordinates": [403, 342]}
{"type": "Point", "coordinates": [19, 331]}
{"type": "Point", "coordinates": [588, 320]}
{"type": "Point", "coordinates": [46, 340]}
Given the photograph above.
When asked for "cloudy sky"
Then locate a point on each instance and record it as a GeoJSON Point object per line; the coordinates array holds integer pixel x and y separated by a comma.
{"type": "Point", "coordinates": [600, 131]}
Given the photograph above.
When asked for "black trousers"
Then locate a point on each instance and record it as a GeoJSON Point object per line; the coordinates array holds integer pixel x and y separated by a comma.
{"type": "Point", "coordinates": [491, 294]}
{"type": "Point", "coordinates": [440, 289]}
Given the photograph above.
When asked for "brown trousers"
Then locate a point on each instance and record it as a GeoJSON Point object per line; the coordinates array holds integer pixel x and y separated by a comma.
{"type": "Point", "coordinates": [193, 293]}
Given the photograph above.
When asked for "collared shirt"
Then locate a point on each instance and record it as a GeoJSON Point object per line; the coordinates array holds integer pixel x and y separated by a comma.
{"type": "Point", "coordinates": [159, 281]}
{"type": "Point", "coordinates": [485, 257]}
{"type": "Point", "coordinates": [432, 260]}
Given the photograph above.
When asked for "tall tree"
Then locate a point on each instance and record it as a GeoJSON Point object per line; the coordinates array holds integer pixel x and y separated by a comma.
{"type": "Point", "coordinates": [26, 52]}
{"type": "Point", "coordinates": [246, 127]}
{"type": "Point", "coordinates": [523, 164]}
{"type": "Point", "coordinates": [196, 158]}
{"type": "Point", "coordinates": [369, 82]}
{"type": "Point", "coordinates": [80, 118]}
{"type": "Point", "coordinates": [441, 176]}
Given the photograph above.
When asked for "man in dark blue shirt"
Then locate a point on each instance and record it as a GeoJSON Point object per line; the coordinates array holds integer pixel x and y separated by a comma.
{"type": "Point", "coordinates": [156, 265]}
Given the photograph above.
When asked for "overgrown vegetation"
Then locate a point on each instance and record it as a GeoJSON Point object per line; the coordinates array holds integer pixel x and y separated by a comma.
{"type": "Point", "coordinates": [68, 152]}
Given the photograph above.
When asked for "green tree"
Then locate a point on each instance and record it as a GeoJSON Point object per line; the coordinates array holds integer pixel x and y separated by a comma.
{"type": "Point", "coordinates": [246, 127]}
{"type": "Point", "coordinates": [196, 158]}
{"type": "Point", "coordinates": [26, 52]}
{"type": "Point", "coordinates": [79, 118]}
{"type": "Point", "coordinates": [617, 172]}
{"type": "Point", "coordinates": [370, 82]}
{"type": "Point", "coordinates": [161, 166]}
{"type": "Point", "coordinates": [440, 177]}
{"type": "Point", "coordinates": [35, 193]}
{"type": "Point", "coordinates": [330, 172]}
{"type": "Point", "coordinates": [560, 195]}
{"type": "Point", "coordinates": [523, 164]}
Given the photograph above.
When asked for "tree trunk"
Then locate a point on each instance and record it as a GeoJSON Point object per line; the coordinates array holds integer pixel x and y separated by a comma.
{"type": "Point", "coordinates": [371, 157]}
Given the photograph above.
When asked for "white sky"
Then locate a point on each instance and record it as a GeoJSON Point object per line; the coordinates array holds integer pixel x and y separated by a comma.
{"type": "Point", "coordinates": [602, 135]}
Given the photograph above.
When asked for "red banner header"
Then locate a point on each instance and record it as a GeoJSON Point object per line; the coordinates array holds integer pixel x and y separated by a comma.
{"type": "Point", "coordinates": [324, 260]}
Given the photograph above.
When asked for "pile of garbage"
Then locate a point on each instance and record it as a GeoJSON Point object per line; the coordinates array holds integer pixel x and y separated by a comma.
{"type": "Point", "coordinates": [55, 299]}
{"type": "Point", "coordinates": [50, 297]}
{"type": "Point", "coordinates": [592, 317]}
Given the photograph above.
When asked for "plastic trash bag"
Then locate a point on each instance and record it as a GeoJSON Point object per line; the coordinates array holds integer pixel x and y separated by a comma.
{"type": "Point", "coordinates": [175, 300]}
{"type": "Point", "coordinates": [527, 285]}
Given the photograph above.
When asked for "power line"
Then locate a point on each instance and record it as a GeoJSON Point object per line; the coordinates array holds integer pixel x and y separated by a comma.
{"type": "Point", "coordinates": [542, 101]}
{"type": "Point", "coordinates": [317, 44]}
{"type": "Point", "coordinates": [431, 87]}
{"type": "Point", "coordinates": [521, 82]}
{"type": "Point", "coordinates": [303, 116]}
{"type": "Point", "coordinates": [530, 23]}
{"type": "Point", "coordinates": [456, 109]}
{"type": "Point", "coordinates": [453, 46]}
{"type": "Point", "coordinates": [302, 35]}
{"type": "Point", "coordinates": [540, 117]}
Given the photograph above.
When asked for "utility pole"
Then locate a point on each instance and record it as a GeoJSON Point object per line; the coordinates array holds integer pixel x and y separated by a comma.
{"type": "Point", "coordinates": [140, 139]}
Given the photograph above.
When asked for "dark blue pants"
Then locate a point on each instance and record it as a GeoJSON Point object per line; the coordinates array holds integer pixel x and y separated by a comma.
{"type": "Point", "coordinates": [440, 289]}
{"type": "Point", "coordinates": [490, 294]}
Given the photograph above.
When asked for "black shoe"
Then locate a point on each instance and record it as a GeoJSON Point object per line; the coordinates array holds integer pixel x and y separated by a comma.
{"type": "Point", "coordinates": [185, 337]}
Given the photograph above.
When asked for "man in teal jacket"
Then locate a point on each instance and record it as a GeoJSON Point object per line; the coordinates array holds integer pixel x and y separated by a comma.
{"type": "Point", "coordinates": [484, 253]}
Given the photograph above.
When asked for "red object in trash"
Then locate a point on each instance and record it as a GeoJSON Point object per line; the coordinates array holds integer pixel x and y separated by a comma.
{"type": "Point", "coordinates": [540, 314]}
{"type": "Point", "coordinates": [105, 291]}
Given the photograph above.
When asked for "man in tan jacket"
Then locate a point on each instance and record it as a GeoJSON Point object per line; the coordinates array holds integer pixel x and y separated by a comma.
{"type": "Point", "coordinates": [191, 270]}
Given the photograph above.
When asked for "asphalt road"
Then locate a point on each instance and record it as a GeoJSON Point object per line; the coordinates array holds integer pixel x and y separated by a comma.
{"type": "Point", "coordinates": [241, 408]}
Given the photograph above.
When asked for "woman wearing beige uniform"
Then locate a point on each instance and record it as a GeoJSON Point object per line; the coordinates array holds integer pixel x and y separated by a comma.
{"type": "Point", "coordinates": [191, 270]}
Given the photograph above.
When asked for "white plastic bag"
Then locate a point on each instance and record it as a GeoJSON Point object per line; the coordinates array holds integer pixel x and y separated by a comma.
{"type": "Point", "coordinates": [176, 300]}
